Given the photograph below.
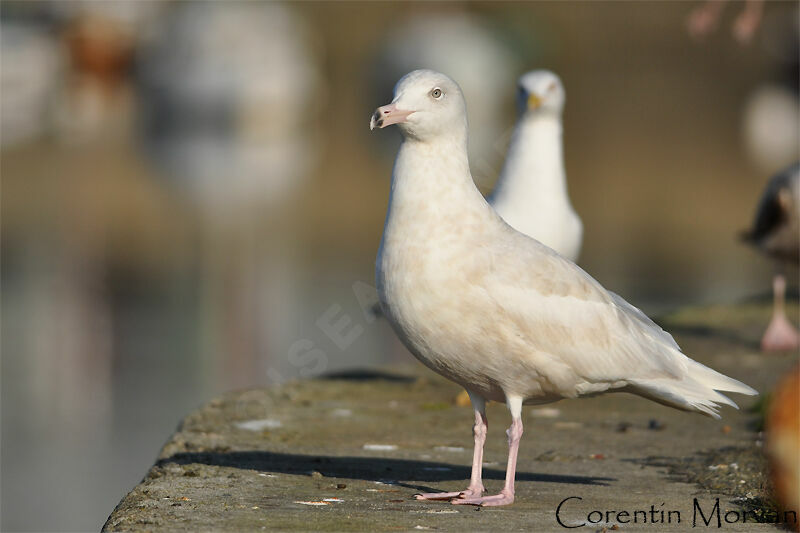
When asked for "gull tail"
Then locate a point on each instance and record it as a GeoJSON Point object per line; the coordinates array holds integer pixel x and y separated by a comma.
{"type": "Point", "coordinates": [698, 391]}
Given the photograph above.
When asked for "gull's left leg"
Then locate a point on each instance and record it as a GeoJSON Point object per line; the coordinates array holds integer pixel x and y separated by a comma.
{"type": "Point", "coordinates": [514, 433]}
{"type": "Point", "coordinates": [746, 24]}
{"type": "Point", "coordinates": [479, 431]}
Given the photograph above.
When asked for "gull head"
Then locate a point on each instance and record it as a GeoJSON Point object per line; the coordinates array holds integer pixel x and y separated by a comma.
{"type": "Point", "coordinates": [540, 91]}
{"type": "Point", "coordinates": [426, 104]}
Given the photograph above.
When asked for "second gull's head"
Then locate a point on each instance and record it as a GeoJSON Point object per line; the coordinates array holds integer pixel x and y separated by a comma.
{"type": "Point", "coordinates": [541, 91]}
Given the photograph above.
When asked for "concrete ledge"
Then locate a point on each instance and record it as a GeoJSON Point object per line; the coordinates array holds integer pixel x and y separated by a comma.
{"type": "Point", "coordinates": [348, 454]}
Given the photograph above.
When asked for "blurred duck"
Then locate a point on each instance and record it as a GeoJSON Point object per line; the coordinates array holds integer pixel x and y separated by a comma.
{"type": "Point", "coordinates": [776, 232]}
{"type": "Point", "coordinates": [783, 441]}
{"type": "Point", "coordinates": [531, 193]}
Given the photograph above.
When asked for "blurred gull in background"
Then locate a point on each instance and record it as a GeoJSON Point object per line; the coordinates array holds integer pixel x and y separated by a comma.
{"type": "Point", "coordinates": [31, 65]}
{"type": "Point", "coordinates": [72, 211]}
{"type": "Point", "coordinates": [776, 232]}
{"type": "Point", "coordinates": [229, 95]}
{"type": "Point", "coordinates": [114, 317]}
{"type": "Point", "coordinates": [531, 192]}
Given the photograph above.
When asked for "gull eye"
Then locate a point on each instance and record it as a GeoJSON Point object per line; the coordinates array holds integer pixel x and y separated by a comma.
{"type": "Point", "coordinates": [436, 93]}
{"type": "Point", "coordinates": [552, 87]}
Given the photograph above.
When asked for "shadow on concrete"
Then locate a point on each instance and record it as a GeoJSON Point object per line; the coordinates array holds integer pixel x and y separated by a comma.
{"type": "Point", "coordinates": [368, 375]}
{"type": "Point", "coordinates": [390, 471]}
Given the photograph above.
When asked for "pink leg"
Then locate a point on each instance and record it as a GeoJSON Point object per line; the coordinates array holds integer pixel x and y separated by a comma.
{"type": "Point", "coordinates": [781, 334]}
{"type": "Point", "coordinates": [506, 496]}
{"type": "Point", "coordinates": [703, 19]}
{"type": "Point", "coordinates": [748, 21]}
{"type": "Point", "coordinates": [479, 431]}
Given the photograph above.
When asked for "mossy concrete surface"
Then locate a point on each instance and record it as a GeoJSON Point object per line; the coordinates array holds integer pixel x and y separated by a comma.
{"type": "Point", "coordinates": [348, 454]}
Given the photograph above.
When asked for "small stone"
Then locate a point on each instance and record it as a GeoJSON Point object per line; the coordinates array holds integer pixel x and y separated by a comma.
{"type": "Point", "coordinates": [546, 412]}
{"type": "Point", "coordinates": [726, 429]}
{"type": "Point", "coordinates": [453, 449]}
{"type": "Point", "coordinates": [259, 425]}
{"type": "Point", "coordinates": [341, 485]}
{"type": "Point", "coordinates": [380, 447]}
{"type": "Point", "coordinates": [316, 475]}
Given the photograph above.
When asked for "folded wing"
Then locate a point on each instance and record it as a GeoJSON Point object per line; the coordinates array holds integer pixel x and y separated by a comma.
{"type": "Point", "coordinates": [594, 339]}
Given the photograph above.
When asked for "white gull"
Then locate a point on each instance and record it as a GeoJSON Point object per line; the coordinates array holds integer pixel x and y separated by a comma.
{"type": "Point", "coordinates": [448, 261]}
{"type": "Point", "coordinates": [531, 192]}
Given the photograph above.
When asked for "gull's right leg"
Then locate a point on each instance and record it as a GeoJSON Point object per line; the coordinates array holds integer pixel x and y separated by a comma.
{"type": "Point", "coordinates": [475, 488]}
{"type": "Point", "coordinates": [781, 335]}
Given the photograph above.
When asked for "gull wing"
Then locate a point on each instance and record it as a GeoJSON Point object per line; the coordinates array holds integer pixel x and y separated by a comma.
{"type": "Point", "coordinates": [594, 340]}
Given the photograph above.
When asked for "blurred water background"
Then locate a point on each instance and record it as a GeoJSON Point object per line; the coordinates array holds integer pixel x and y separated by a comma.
{"type": "Point", "coordinates": [192, 200]}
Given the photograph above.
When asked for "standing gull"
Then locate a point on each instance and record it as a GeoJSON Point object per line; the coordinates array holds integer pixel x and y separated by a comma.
{"type": "Point", "coordinates": [448, 261]}
{"type": "Point", "coordinates": [531, 192]}
{"type": "Point", "coordinates": [776, 232]}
